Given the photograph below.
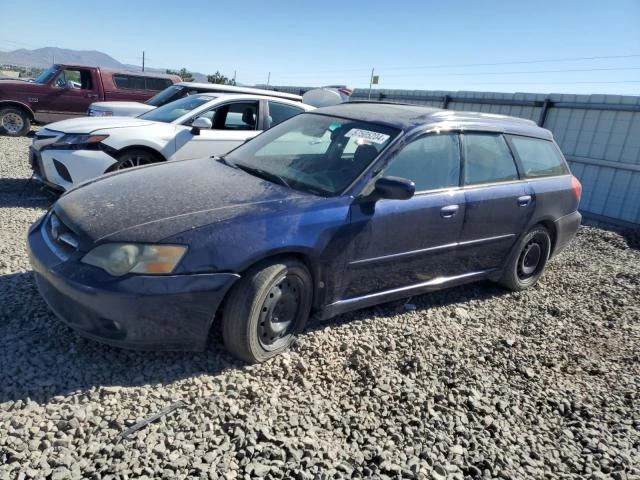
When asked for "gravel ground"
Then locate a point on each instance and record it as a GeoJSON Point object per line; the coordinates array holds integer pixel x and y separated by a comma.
{"type": "Point", "coordinates": [473, 382]}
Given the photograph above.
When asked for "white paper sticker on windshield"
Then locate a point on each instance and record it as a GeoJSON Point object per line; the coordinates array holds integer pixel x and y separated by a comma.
{"type": "Point", "coordinates": [368, 135]}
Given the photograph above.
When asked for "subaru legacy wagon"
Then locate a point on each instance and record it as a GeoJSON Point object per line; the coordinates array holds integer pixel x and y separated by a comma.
{"type": "Point", "coordinates": [333, 210]}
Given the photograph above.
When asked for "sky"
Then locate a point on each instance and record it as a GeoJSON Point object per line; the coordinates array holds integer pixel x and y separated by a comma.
{"type": "Point", "coordinates": [490, 45]}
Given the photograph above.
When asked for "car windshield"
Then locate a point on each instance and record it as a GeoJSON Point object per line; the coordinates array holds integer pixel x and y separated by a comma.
{"type": "Point", "coordinates": [174, 110]}
{"type": "Point", "coordinates": [314, 153]}
{"type": "Point", "coordinates": [167, 95]}
{"type": "Point", "coordinates": [47, 75]}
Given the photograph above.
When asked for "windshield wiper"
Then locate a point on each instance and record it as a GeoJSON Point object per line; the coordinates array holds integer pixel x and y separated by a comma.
{"type": "Point", "coordinates": [258, 172]}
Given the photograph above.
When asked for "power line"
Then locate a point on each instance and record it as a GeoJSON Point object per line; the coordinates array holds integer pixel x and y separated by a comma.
{"type": "Point", "coordinates": [460, 65]}
{"type": "Point", "coordinates": [519, 72]}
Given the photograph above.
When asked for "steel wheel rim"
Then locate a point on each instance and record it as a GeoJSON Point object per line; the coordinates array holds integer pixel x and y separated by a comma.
{"type": "Point", "coordinates": [280, 312]}
{"type": "Point", "coordinates": [12, 122]}
{"type": "Point", "coordinates": [133, 161]}
{"type": "Point", "coordinates": [530, 260]}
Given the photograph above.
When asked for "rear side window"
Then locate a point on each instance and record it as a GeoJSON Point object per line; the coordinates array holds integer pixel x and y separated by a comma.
{"type": "Point", "coordinates": [134, 82]}
{"type": "Point", "coordinates": [487, 159]}
{"type": "Point", "coordinates": [279, 112]}
{"type": "Point", "coordinates": [539, 158]}
{"type": "Point", "coordinates": [431, 162]}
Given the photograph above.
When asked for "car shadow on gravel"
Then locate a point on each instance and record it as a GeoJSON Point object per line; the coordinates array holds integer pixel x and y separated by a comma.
{"type": "Point", "coordinates": [43, 358]}
{"type": "Point", "coordinates": [480, 291]}
{"type": "Point", "coordinates": [24, 192]}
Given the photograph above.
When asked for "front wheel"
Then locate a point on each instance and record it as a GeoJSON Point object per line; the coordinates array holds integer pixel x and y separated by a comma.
{"type": "Point", "coordinates": [526, 265]}
{"type": "Point", "coordinates": [134, 158]}
{"type": "Point", "coordinates": [14, 122]}
{"type": "Point", "coordinates": [266, 309]}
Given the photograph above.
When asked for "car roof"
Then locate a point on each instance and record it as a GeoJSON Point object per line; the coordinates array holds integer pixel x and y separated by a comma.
{"type": "Point", "coordinates": [239, 96]}
{"type": "Point", "coordinates": [409, 117]}
{"type": "Point", "coordinates": [216, 87]}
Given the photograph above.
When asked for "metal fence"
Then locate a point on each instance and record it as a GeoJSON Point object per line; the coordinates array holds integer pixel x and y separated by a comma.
{"type": "Point", "coordinates": [599, 135]}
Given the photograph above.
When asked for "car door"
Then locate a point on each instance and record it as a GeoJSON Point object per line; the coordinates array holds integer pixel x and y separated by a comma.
{"type": "Point", "coordinates": [498, 203]}
{"type": "Point", "coordinates": [406, 242]}
{"type": "Point", "coordinates": [232, 124]}
{"type": "Point", "coordinates": [73, 90]}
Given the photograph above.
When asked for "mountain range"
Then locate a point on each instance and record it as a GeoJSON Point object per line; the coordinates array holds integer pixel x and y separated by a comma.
{"type": "Point", "coordinates": [44, 57]}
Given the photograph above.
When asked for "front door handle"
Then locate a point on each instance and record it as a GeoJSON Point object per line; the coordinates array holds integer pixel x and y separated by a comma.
{"type": "Point", "coordinates": [524, 200]}
{"type": "Point", "coordinates": [449, 211]}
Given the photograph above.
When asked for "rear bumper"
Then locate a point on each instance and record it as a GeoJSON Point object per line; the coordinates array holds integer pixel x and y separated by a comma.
{"type": "Point", "coordinates": [171, 312]}
{"type": "Point", "coordinates": [566, 228]}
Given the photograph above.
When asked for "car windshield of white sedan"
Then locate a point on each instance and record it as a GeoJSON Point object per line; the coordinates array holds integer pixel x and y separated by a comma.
{"type": "Point", "coordinates": [174, 110]}
{"type": "Point", "coordinates": [314, 153]}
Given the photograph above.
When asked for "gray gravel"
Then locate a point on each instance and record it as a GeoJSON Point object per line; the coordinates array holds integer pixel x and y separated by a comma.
{"type": "Point", "coordinates": [472, 382]}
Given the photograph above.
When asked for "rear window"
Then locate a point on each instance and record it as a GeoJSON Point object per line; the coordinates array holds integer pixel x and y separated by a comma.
{"type": "Point", "coordinates": [135, 82]}
{"type": "Point", "coordinates": [539, 158]}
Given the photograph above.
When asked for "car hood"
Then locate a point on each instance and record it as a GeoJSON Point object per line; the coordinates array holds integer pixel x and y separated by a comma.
{"type": "Point", "coordinates": [121, 106]}
{"type": "Point", "coordinates": [151, 203]}
{"type": "Point", "coordinates": [109, 105]}
{"type": "Point", "coordinates": [91, 124]}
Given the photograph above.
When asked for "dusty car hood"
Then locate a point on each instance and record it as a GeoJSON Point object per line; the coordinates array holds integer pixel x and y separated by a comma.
{"type": "Point", "coordinates": [157, 201]}
{"type": "Point", "coordinates": [91, 124]}
{"type": "Point", "coordinates": [120, 106]}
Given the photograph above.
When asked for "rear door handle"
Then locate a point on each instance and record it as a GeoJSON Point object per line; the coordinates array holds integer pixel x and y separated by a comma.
{"type": "Point", "coordinates": [524, 200]}
{"type": "Point", "coordinates": [449, 211]}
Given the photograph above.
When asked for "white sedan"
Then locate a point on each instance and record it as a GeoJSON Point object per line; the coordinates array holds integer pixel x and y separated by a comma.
{"type": "Point", "coordinates": [64, 154]}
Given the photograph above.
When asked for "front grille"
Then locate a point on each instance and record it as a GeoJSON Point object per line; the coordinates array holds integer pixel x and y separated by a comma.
{"type": "Point", "coordinates": [60, 238]}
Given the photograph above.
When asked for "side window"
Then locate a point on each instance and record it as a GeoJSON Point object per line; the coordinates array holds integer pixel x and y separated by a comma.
{"type": "Point", "coordinates": [157, 83]}
{"type": "Point", "coordinates": [279, 112]}
{"type": "Point", "coordinates": [237, 116]}
{"type": "Point", "coordinates": [74, 78]}
{"type": "Point", "coordinates": [539, 158]}
{"type": "Point", "coordinates": [129, 82]}
{"type": "Point", "coordinates": [432, 162]}
{"type": "Point", "coordinates": [487, 159]}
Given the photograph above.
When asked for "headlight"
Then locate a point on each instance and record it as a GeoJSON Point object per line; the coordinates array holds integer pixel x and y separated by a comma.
{"type": "Point", "coordinates": [122, 258]}
{"type": "Point", "coordinates": [79, 139]}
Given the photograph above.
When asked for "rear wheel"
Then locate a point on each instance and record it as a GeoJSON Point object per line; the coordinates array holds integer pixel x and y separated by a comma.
{"type": "Point", "coordinates": [266, 309]}
{"type": "Point", "coordinates": [14, 122]}
{"type": "Point", "coordinates": [526, 265]}
{"type": "Point", "coordinates": [135, 158]}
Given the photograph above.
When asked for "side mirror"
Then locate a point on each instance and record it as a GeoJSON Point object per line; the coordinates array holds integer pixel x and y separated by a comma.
{"type": "Point", "coordinates": [199, 123]}
{"type": "Point", "coordinates": [394, 188]}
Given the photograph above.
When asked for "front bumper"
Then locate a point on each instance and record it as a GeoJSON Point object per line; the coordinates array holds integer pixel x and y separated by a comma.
{"type": "Point", "coordinates": [64, 169]}
{"type": "Point", "coordinates": [172, 312]}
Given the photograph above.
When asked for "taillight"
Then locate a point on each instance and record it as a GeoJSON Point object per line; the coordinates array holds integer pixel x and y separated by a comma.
{"type": "Point", "coordinates": [577, 187]}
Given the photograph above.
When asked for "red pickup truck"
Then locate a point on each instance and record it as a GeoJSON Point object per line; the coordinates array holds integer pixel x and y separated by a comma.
{"type": "Point", "coordinates": [66, 91]}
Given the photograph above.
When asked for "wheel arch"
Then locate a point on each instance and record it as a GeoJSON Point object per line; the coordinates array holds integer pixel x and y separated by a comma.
{"type": "Point", "coordinates": [115, 153]}
{"type": "Point", "coordinates": [550, 225]}
{"type": "Point", "coordinates": [302, 254]}
{"type": "Point", "coordinates": [20, 105]}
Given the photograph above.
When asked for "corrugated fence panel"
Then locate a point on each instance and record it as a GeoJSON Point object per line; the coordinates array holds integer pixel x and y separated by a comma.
{"type": "Point", "coordinates": [599, 135]}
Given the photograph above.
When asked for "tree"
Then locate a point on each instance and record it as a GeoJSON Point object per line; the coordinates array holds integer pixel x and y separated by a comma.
{"type": "Point", "coordinates": [185, 74]}
{"type": "Point", "coordinates": [220, 78]}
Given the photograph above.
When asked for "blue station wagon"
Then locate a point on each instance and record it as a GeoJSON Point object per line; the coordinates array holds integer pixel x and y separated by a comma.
{"type": "Point", "coordinates": [333, 210]}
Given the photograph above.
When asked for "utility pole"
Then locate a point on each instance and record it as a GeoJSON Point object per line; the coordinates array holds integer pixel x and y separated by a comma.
{"type": "Point", "coordinates": [370, 83]}
{"type": "Point", "coordinates": [143, 60]}
{"type": "Point", "coordinates": [234, 77]}
{"type": "Point", "coordinates": [268, 79]}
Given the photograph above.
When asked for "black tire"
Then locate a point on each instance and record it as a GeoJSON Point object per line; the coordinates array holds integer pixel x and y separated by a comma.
{"type": "Point", "coordinates": [266, 309]}
{"type": "Point", "coordinates": [134, 157]}
{"type": "Point", "coordinates": [527, 263]}
{"type": "Point", "coordinates": [14, 122]}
